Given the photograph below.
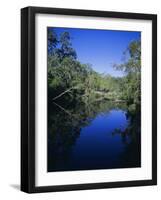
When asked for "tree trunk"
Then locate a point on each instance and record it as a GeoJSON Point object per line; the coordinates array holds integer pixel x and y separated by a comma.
{"type": "Point", "coordinates": [66, 91]}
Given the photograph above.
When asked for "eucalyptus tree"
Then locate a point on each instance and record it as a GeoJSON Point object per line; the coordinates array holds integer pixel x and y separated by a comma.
{"type": "Point", "coordinates": [131, 82]}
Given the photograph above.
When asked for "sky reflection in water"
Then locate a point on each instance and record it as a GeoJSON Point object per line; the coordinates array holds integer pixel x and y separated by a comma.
{"type": "Point", "coordinates": [102, 143]}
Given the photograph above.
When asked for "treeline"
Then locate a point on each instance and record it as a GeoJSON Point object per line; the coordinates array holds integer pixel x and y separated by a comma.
{"type": "Point", "coordinates": [131, 82]}
{"type": "Point", "coordinates": [69, 79]}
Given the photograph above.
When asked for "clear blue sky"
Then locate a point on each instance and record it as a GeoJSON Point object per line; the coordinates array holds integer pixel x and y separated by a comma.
{"type": "Point", "coordinates": [101, 48]}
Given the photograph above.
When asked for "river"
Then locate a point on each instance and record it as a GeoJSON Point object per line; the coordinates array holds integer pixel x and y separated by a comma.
{"type": "Point", "coordinates": [101, 135]}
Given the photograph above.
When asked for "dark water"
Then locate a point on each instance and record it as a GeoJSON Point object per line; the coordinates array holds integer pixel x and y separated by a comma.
{"type": "Point", "coordinates": [101, 135]}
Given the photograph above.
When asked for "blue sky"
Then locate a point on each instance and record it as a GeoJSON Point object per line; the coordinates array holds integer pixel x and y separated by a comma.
{"type": "Point", "coordinates": [101, 48]}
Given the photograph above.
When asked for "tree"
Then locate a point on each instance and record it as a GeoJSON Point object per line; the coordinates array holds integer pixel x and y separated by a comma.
{"type": "Point", "coordinates": [66, 49]}
{"type": "Point", "coordinates": [52, 40]}
{"type": "Point", "coordinates": [131, 85]}
{"type": "Point", "coordinates": [132, 58]}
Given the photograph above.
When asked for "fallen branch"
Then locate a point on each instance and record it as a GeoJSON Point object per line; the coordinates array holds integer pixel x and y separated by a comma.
{"type": "Point", "coordinates": [66, 91]}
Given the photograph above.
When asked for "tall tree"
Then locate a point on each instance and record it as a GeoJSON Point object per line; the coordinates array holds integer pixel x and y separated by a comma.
{"type": "Point", "coordinates": [131, 86]}
{"type": "Point", "coordinates": [66, 49]}
{"type": "Point", "coordinates": [132, 58]}
{"type": "Point", "coordinates": [52, 40]}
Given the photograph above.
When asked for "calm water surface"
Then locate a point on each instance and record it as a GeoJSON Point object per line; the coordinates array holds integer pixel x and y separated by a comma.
{"type": "Point", "coordinates": [99, 136]}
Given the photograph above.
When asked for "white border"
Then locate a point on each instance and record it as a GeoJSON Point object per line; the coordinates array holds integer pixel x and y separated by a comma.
{"type": "Point", "coordinates": [92, 176]}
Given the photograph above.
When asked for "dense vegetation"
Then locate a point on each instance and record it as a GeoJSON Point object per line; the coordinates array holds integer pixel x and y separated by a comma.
{"type": "Point", "coordinates": [82, 93]}
{"type": "Point", "coordinates": [69, 79]}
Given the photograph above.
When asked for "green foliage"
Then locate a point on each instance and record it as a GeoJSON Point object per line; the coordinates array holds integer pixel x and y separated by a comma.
{"type": "Point", "coordinates": [131, 83]}
{"type": "Point", "coordinates": [66, 73]}
{"type": "Point", "coordinates": [132, 58]}
{"type": "Point", "coordinates": [65, 49]}
{"type": "Point", "coordinates": [52, 40]}
{"type": "Point", "coordinates": [83, 94]}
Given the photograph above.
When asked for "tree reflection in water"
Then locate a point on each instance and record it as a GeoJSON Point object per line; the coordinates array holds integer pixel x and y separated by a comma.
{"type": "Point", "coordinates": [66, 122]}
